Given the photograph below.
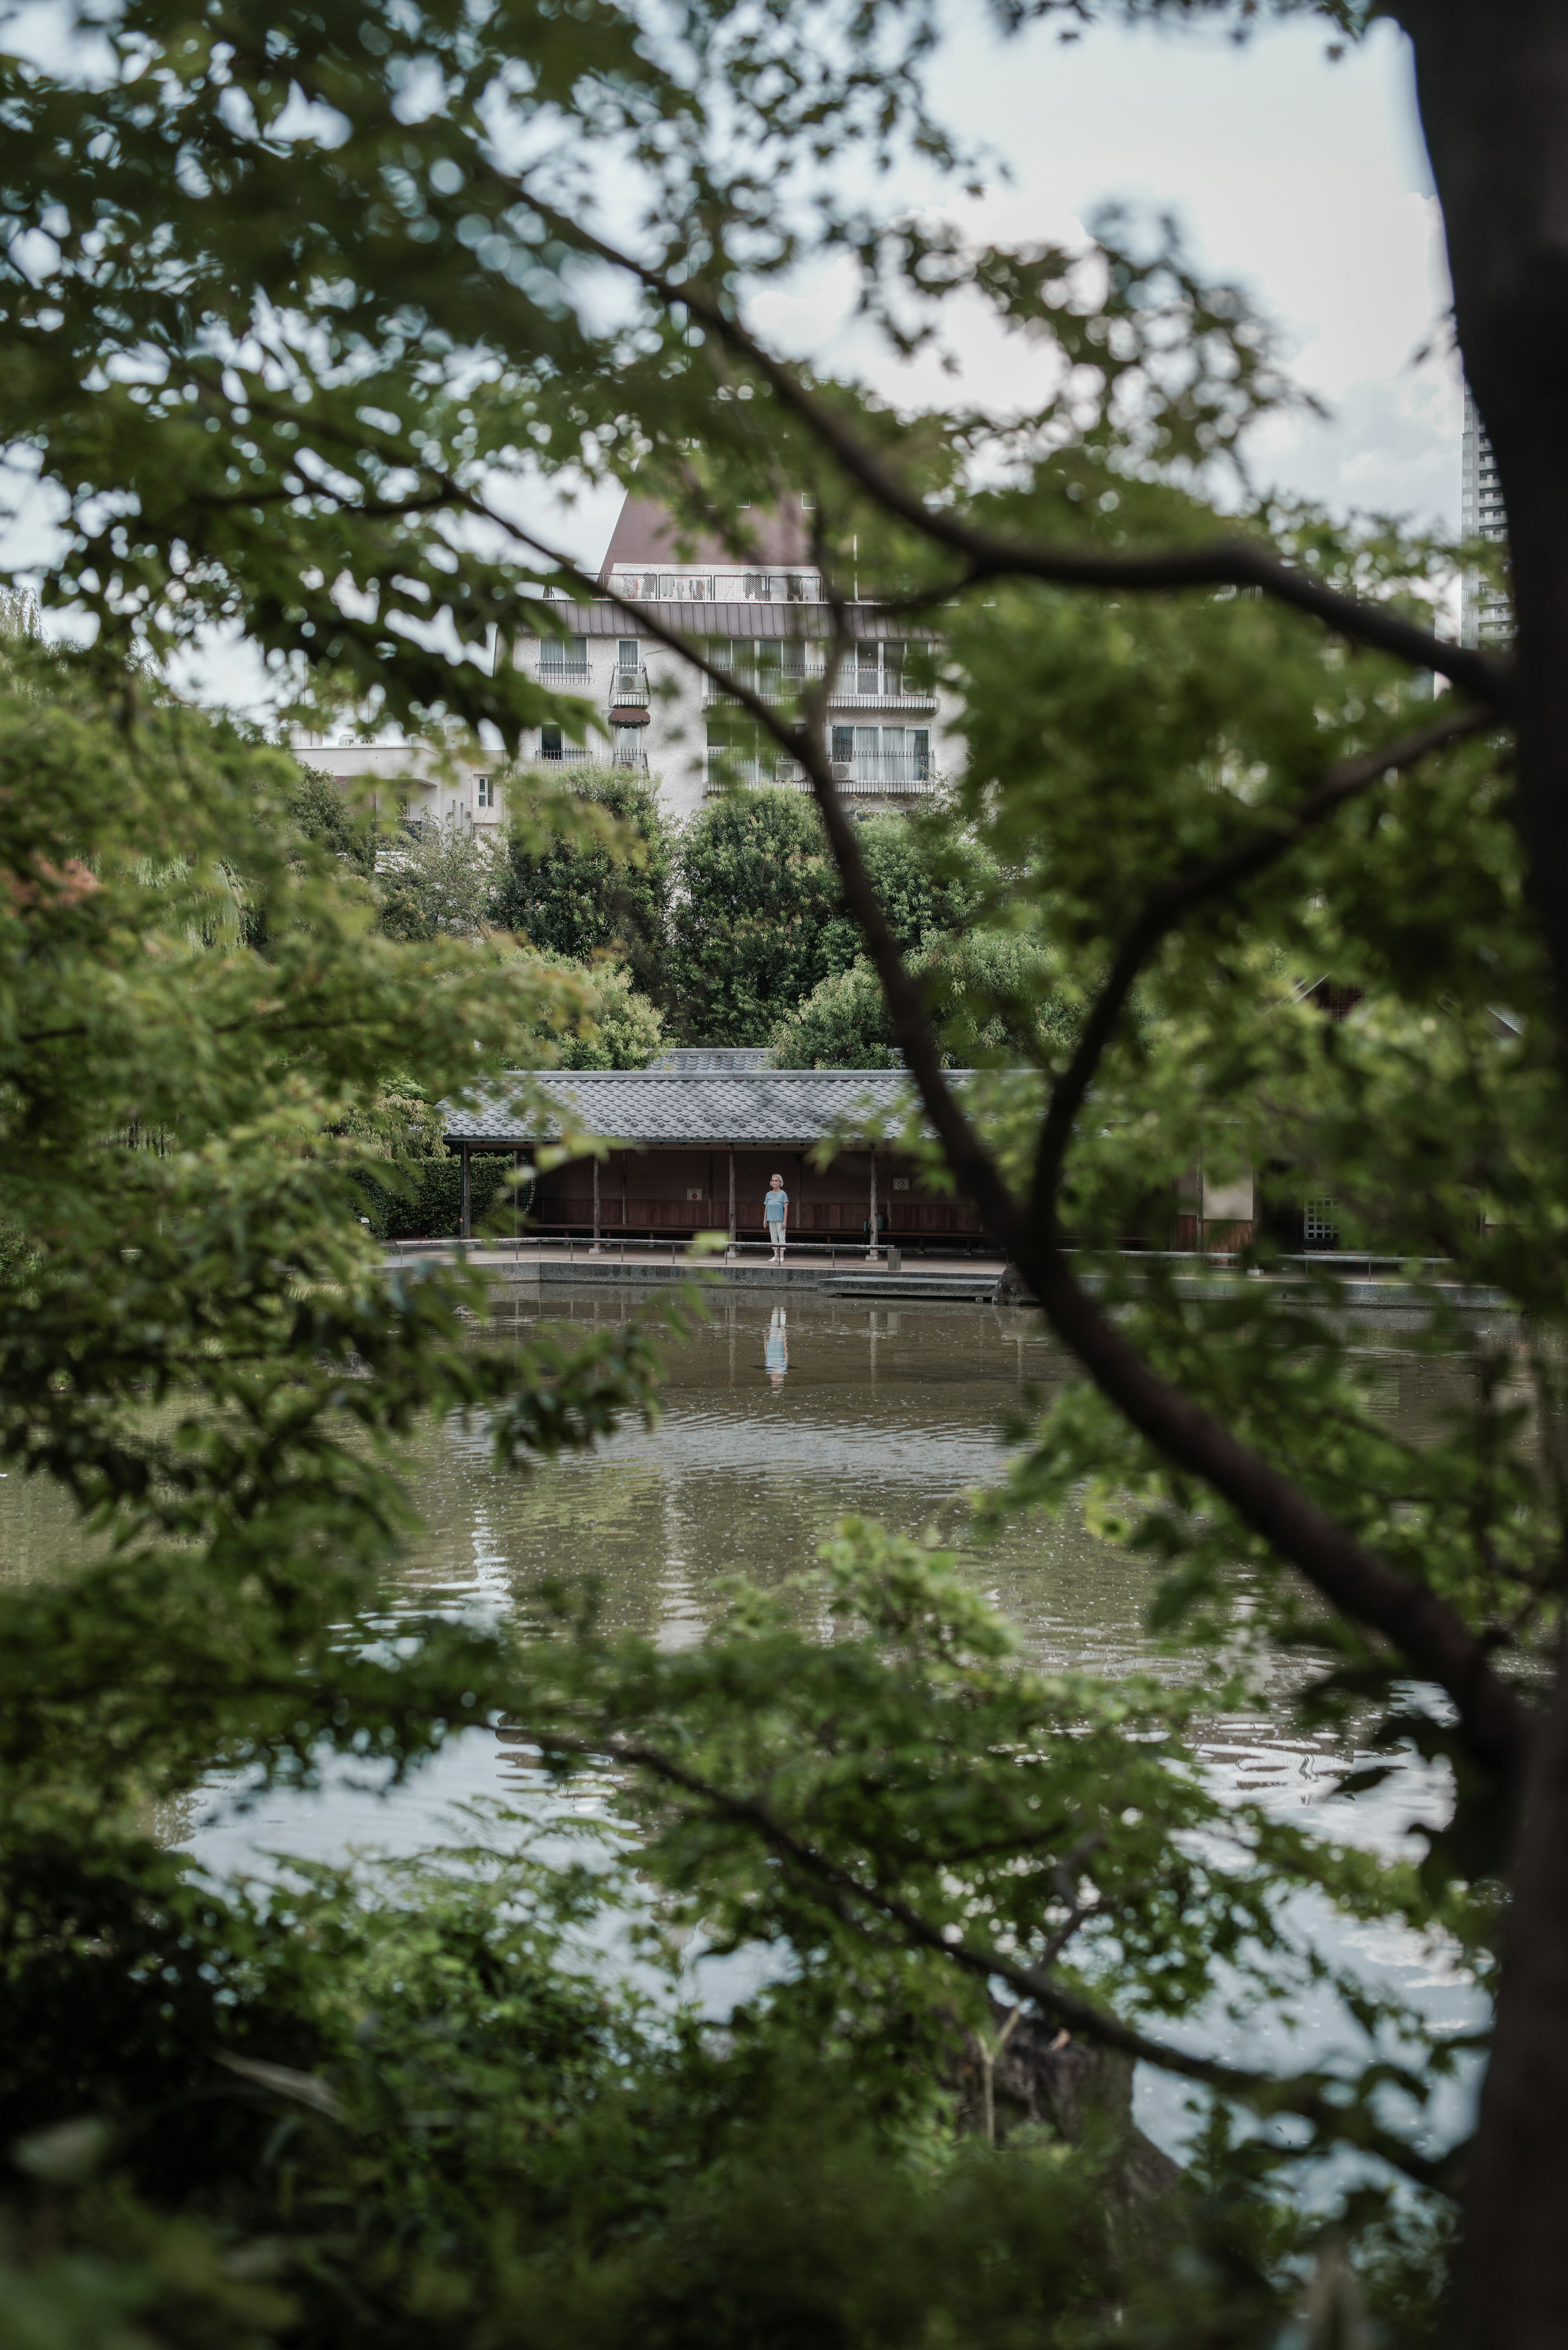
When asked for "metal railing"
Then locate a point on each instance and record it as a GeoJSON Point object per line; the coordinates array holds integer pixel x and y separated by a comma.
{"type": "Point", "coordinates": [629, 688]}
{"type": "Point", "coordinates": [566, 755]}
{"type": "Point", "coordinates": [724, 769]}
{"type": "Point", "coordinates": [629, 1248]}
{"type": "Point", "coordinates": [852, 689]}
{"type": "Point", "coordinates": [636, 760]}
{"type": "Point", "coordinates": [565, 673]}
{"type": "Point", "coordinates": [884, 774]}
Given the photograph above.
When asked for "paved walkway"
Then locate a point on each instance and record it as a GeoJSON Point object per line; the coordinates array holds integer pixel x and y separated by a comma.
{"type": "Point", "coordinates": [841, 1272]}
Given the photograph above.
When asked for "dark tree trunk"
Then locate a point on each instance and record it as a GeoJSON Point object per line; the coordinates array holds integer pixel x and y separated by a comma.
{"type": "Point", "coordinates": [1493, 90]}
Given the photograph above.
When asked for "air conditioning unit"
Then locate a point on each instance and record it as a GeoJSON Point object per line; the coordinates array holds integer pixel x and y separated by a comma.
{"type": "Point", "coordinates": [843, 772]}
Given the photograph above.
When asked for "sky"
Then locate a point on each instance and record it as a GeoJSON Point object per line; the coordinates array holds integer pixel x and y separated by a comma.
{"type": "Point", "coordinates": [1303, 178]}
{"type": "Point", "coordinates": [1306, 179]}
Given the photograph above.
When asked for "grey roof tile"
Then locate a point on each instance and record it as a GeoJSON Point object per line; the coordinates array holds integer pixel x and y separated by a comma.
{"type": "Point", "coordinates": [675, 1106]}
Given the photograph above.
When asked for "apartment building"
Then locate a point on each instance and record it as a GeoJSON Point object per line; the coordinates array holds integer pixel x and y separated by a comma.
{"type": "Point", "coordinates": [765, 624]}
{"type": "Point", "coordinates": [411, 779]}
{"type": "Point", "coordinates": [1486, 616]}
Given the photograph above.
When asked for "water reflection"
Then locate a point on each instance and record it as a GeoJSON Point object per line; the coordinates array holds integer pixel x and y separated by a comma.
{"type": "Point", "coordinates": [778, 1424]}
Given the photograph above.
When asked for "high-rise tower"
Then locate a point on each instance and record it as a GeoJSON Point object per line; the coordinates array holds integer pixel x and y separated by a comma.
{"type": "Point", "coordinates": [1486, 616]}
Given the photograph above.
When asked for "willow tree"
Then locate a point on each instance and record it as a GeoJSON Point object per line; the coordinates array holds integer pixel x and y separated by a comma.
{"type": "Point", "coordinates": [297, 313]}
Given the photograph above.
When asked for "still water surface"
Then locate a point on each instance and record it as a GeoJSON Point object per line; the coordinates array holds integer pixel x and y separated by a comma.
{"type": "Point", "coordinates": [779, 1422]}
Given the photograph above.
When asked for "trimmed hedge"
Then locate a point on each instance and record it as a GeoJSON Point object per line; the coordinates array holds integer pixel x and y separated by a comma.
{"type": "Point", "coordinates": [433, 1210]}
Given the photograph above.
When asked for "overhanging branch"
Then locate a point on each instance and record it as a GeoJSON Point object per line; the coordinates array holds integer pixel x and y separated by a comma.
{"type": "Point", "coordinates": [1264, 2094]}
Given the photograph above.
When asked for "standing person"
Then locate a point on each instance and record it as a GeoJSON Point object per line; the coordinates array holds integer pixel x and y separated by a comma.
{"type": "Point", "coordinates": [776, 1215]}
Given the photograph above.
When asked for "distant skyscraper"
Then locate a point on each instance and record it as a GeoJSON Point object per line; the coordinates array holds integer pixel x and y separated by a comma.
{"type": "Point", "coordinates": [1486, 616]}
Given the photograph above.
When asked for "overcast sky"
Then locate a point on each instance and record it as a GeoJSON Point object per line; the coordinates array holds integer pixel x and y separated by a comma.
{"type": "Point", "coordinates": [1305, 179]}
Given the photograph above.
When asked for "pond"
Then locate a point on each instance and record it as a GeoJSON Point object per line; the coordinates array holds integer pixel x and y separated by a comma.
{"type": "Point", "coordinates": [779, 1419]}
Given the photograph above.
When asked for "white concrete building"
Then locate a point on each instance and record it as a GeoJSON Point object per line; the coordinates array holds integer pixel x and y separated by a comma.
{"type": "Point", "coordinates": [396, 775]}
{"type": "Point", "coordinates": [1486, 616]}
{"type": "Point", "coordinates": [894, 733]}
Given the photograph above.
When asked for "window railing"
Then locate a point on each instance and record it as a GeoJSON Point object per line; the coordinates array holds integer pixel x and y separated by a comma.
{"type": "Point", "coordinates": [566, 755]}
{"type": "Point", "coordinates": [884, 774]}
{"type": "Point", "coordinates": [863, 689]}
{"type": "Point", "coordinates": [727, 767]}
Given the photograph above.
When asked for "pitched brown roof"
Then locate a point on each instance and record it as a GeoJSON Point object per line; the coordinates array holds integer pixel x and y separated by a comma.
{"type": "Point", "coordinates": [646, 534]}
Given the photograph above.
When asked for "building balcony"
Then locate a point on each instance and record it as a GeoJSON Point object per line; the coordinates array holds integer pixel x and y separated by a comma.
{"type": "Point", "coordinates": [725, 769]}
{"type": "Point", "coordinates": [852, 689]}
{"type": "Point", "coordinates": [629, 689]}
{"type": "Point", "coordinates": [636, 760]}
{"type": "Point", "coordinates": [890, 775]}
{"type": "Point", "coordinates": [855, 693]}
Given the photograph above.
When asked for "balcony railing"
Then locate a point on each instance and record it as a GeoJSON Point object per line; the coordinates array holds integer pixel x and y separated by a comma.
{"type": "Point", "coordinates": [724, 769]}
{"type": "Point", "coordinates": [569, 672]}
{"type": "Point", "coordinates": [629, 689]}
{"type": "Point", "coordinates": [853, 689]}
{"type": "Point", "coordinates": [637, 760]}
{"type": "Point", "coordinates": [887, 774]}
{"type": "Point", "coordinates": [566, 754]}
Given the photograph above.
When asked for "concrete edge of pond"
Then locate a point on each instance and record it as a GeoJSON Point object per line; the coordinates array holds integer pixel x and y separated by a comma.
{"type": "Point", "coordinates": [507, 1274]}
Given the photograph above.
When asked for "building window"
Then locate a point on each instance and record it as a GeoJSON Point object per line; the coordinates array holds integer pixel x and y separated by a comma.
{"type": "Point", "coordinates": [843, 744]}
{"type": "Point", "coordinates": [562, 656]}
{"type": "Point", "coordinates": [550, 744]}
{"type": "Point", "coordinates": [808, 500]}
{"type": "Point", "coordinates": [484, 792]}
{"type": "Point", "coordinates": [1319, 1229]}
{"type": "Point", "coordinates": [628, 654]}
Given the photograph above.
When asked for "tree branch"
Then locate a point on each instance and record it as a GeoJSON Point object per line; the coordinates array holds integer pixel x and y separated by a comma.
{"type": "Point", "coordinates": [1233, 562]}
{"type": "Point", "coordinates": [1165, 907]}
{"type": "Point", "coordinates": [1263, 2093]}
{"type": "Point", "coordinates": [1496, 1722]}
{"type": "Point", "coordinates": [1495, 1718]}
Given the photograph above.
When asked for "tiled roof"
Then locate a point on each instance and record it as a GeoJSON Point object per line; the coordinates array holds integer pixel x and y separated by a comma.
{"type": "Point", "coordinates": [750, 1106]}
{"type": "Point", "coordinates": [646, 532]}
{"type": "Point", "coordinates": [711, 1060]}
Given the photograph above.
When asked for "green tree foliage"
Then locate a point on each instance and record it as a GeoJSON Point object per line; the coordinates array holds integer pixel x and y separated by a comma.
{"type": "Point", "coordinates": [989, 996]}
{"type": "Point", "coordinates": [577, 897]}
{"type": "Point", "coordinates": [293, 319]}
{"type": "Point", "coordinates": [928, 883]}
{"type": "Point", "coordinates": [319, 810]}
{"type": "Point", "coordinates": [434, 880]}
{"type": "Point", "coordinates": [617, 1028]}
{"type": "Point", "coordinates": [755, 899]}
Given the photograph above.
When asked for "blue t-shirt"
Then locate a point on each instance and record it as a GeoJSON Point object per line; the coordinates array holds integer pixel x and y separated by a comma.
{"type": "Point", "coordinates": [774, 1206]}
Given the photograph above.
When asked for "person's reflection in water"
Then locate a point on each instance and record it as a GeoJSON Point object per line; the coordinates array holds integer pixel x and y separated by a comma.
{"type": "Point", "coordinates": [775, 1353]}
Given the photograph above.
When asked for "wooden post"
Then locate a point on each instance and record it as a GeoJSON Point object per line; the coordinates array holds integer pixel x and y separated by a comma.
{"type": "Point", "coordinates": [732, 1200]}
{"type": "Point", "coordinates": [873, 1254]}
{"type": "Point", "coordinates": [596, 1203]}
{"type": "Point", "coordinates": [465, 1220]}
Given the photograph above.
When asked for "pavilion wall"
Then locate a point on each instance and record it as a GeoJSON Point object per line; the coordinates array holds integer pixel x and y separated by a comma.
{"type": "Point", "coordinates": [665, 1189]}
